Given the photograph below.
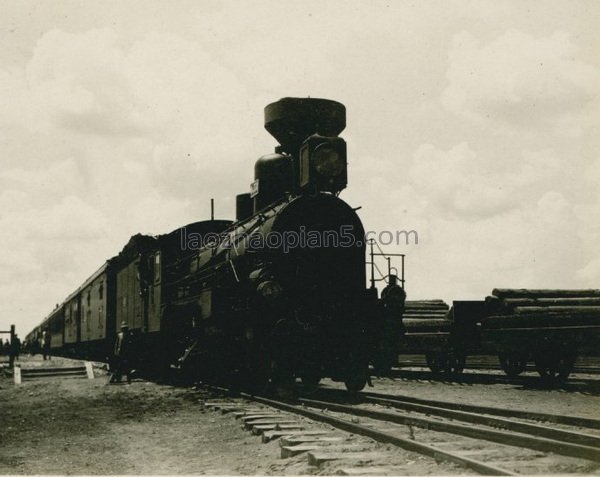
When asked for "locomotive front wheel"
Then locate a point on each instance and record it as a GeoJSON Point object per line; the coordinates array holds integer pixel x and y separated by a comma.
{"type": "Point", "coordinates": [356, 382]}
{"type": "Point", "coordinates": [555, 368]}
{"type": "Point", "coordinates": [357, 377]}
{"type": "Point", "coordinates": [512, 364]}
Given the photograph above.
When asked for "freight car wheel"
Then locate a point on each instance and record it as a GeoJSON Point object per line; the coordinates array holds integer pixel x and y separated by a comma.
{"type": "Point", "coordinates": [436, 361]}
{"type": "Point", "coordinates": [512, 364]}
{"type": "Point", "coordinates": [384, 361]}
{"type": "Point", "coordinates": [455, 364]}
{"type": "Point", "coordinates": [310, 382]}
{"type": "Point", "coordinates": [554, 368]}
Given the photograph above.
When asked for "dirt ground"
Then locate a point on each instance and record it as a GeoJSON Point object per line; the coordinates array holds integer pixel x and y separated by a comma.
{"type": "Point", "coordinates": [81, 426]}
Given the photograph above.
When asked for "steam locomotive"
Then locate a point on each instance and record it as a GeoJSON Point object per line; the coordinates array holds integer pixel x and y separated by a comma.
{"type": "Point", "coordinates": [278, 294]}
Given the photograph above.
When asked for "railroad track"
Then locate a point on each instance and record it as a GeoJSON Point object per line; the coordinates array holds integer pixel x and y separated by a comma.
{"type": "Point", "coordinates": [591, 386]}
{"type": "Point", "coordinates": [485, 443]}
{"type": "Point", "coordinates": [584, 364]}
{"type": "Point", "coordinates": [575, 421]}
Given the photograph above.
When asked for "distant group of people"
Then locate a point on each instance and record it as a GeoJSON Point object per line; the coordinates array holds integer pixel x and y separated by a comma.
{"type": "Point", "coordinates": [4, 347]}
{"type": "Point", "coordinates": [41, 345]}
{"type": "Point", "coordinates": [120, 364]}
{"type": "Point", "coordinates": [11, 348]}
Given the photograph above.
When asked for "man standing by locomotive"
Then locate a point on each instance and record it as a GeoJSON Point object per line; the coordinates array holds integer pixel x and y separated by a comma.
{"type": "Point", "coordinates": [122, 355]}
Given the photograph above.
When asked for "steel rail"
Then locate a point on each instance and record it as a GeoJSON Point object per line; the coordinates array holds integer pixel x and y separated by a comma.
{"type": "Point", "coordinates": [532, 415]}
{"type": "Point", "coordinates": [502, 437]}
{"type": "Point", "coordinates": [592, 385]}
{"type": "Point", "coordinates": [503, 423]}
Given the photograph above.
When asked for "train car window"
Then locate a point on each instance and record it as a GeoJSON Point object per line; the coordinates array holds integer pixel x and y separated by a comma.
{"type": "Point", "coordinates": [157, 267]}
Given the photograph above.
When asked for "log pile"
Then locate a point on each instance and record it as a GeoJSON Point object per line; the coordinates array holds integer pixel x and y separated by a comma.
{"type": "Point", "coordinates": [531, 308]}
{"type": "Point", "coordinates": [426, 316]}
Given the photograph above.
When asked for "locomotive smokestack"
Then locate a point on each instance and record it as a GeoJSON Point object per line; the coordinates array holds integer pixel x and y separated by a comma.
{"type": "Point", "coordinates": [292, 120]}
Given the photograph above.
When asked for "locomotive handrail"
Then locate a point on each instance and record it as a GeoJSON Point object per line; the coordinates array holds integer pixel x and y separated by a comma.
{"type": "Point", "coordinates": [388, 257]}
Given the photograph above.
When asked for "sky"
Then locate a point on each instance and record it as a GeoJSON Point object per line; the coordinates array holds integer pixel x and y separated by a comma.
{"type": "Point", "coordinates": [473, 123]}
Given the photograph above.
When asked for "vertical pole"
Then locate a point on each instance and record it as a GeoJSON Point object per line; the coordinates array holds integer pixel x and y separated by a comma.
{"type": "Point", "coordinates": [389, 266]}
{"type": "Point", "coordinates": [212, 209]}
{"type": "Point", "coordinates": [372, 264]}
{"type": "Point", "coordinates": [11, 349]}
{"type": "Point", "coordinates": [402, 271]}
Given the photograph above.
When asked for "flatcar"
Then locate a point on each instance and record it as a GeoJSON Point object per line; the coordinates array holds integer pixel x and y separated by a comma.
{"type": "Point", "coordinates": [549, 328]}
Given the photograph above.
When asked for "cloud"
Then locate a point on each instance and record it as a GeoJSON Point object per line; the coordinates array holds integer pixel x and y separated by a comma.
{"type": "Point", "coordinates": [102, 139]}
{"type": "Point", "coordinates": [519, 80]}
{"type": "Point", "coordinates": [89, 83]}
{"type": "Point", "coordinates": [461, 182]}
{"type": "Point", "coordinates": [591, 272]}
{"type": "Point", "coordinates": [485, 218]}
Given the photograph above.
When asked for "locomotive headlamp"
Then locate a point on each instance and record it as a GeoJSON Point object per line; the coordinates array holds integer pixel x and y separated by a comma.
{"type": "Point", "coordinates": [327, 161]}
{"type": "Point", "coordinates": [322, 164]}
{"type": "Point", "coordinates": [269, 289]}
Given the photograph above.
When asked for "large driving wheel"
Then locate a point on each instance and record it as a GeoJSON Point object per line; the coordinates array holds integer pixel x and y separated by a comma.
{"type": "Point", "coordinates": [512, 364]}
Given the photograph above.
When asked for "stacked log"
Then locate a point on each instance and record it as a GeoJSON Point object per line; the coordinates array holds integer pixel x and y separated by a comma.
{"type": "Point", "coordinates": [426, 316]}
{"type": "Point", "coordinates": [522, 308]}
{"type": "Point", "coordinates": [504, 293]}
